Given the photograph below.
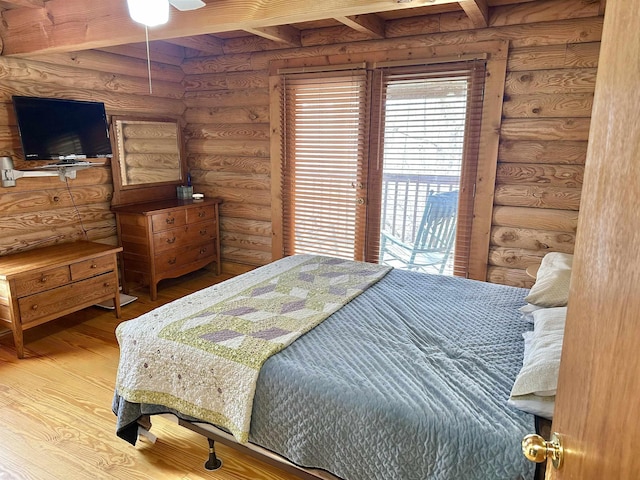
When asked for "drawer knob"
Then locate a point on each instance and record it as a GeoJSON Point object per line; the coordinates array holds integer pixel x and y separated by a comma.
{"type": "Point", "coordinates": [203, 232]}
{"type": "Point", "coordinates": [172, 261]}
{"type": "Point", "coordinates": [171, 240]}
{"type": "Point", "coordinates": [201, 214]}
{"type": "Point", "coordinates": [107, 284]}
{"type": "Point", "coordinates": [171, 221]}
{"type": "Point", "coordinates": [203, 250]}
{"type": "Point", "coordinates": [93, 265]}
{"type": "Point", "coordinates": [43, 278]}
{"type": "Point", "coordinates": [34, 306]}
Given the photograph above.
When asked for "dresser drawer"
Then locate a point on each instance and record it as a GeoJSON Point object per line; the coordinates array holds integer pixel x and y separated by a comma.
{"type": "Point", "coordinates": [185, 255]}
{"type": "Point", "coordinates": [188, 235]}
{"type": "Point", "coordinates": [200, 214]}
{"type": "Point", "coordinates": [35, 282]}
{"type": "Point", "coordinates": [92, 267]}
{"type": "Point", "coordinates": [169, 219]}
{"type": "Point", "coordinates": [66, 297]}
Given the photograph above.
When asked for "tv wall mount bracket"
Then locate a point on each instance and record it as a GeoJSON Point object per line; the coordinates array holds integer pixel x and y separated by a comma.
{"type": "Point", "coordinates": [10, 175]}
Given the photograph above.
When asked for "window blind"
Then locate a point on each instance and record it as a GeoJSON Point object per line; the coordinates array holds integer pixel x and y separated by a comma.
{"type": "Point", "coordinates": [324, 164]}
{"type": "Point", "coordinates": [427, 142]}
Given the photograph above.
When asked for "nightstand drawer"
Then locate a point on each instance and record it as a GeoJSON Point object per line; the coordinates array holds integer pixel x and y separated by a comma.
{"type": "Point", "coordinates": [91, 268]}
{"type": "Point", "coordinates": [30, 283]}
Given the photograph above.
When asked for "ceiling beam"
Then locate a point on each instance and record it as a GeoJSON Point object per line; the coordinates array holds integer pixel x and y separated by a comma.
{"type": "Point", "coordinates": [25, 3]}
{"type": "Point", "coordinates": [477, 11]}
{"type": "Point", "coordinates": [284, 34]}
{"type": "Point", "coordinates": [68, 25]}
{"type": "Point", "coordinates": [203, 43]}
{"type": "Point", "coordinates": [160, 52]}
{"type": "Point", "coordinates": [370, 24]}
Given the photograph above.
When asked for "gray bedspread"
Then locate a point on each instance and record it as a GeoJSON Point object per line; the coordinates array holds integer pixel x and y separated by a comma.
{"type": "Point", "coordinates": [408, 381]}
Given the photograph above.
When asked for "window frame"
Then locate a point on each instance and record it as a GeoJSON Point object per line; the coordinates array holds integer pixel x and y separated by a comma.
{"type": "Point", "coordinates": [496, 62]}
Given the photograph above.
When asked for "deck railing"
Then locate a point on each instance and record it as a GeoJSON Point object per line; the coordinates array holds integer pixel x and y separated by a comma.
{"type": "Point", "coordinates": [404, 197]}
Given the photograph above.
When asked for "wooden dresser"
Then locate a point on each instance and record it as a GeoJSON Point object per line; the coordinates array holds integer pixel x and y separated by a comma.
{"type": "Point", "coordinates": [46, 283]}
{"type": "Point", "coordinates": [167, 239]}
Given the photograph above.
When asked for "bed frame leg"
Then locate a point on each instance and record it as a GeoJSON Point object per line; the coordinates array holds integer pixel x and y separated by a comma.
{"type": "Point", "coordinates": [214, 463]}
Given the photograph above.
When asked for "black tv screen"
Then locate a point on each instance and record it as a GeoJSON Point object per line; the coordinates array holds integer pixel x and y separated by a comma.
{"type": "Point", "coordinates": [58, 129]}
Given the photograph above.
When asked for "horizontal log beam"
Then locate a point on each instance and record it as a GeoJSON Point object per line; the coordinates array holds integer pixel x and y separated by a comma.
{"type": "Point", "coordinates": [249, 211]}
{"type": "Point", "coordinates": [225, 81]}
{"type": "Point", "coordinates": [228, 98]}
{"type": "Point", "coordinates": [514, 257]}
{"type": "Point", "coordinates": [537, 218]}
{"type": "Point", "coordinates": [571, 129]}
{"type": "Point", "coordinates": [570, 176]}
{"type": "Point", "coordinates": [548, 106]}
{"type": "Point", "coordinates": [534, 240]}
{"type": "Point", "coordinates": [556, 152]}
{"type": "Point", "coordinates": [246, 256]}
{"type": "Point", "coordinates": [226, 163]}
{"type": "Point", "coordinates": [577, 55]}
{"type": "Point", "coordinates": [101, 61]}
{"type": "Point", "coordinates": [242, 225]}
{"type": "Point", "coordinates": [67, 25]}
{"type": "Point", "coordinates": [25, 3]}
{"type": "Point", "coordinates": [203, 43]}
{"type": "Point", "coordinates": [509, 276]}
{"type": "Point", "coordinates": [249, 148]}
{"type": "Point", "coordinates": [564, 80]}
{"type": "Point", "coordinates": [251, 242]}
{"type": "Point", "coordinates": [250, 114]}
{"type": "Point", "coordinates": [232, 131]}
{"type": "Point", "coordinates": [540, 197]}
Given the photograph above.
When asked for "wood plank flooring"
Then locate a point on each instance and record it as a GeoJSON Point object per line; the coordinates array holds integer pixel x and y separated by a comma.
{"type": "Point", "coordinates": [55, 406]}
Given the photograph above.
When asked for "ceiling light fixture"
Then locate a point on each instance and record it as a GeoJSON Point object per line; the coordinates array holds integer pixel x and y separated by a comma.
{"type": "Point", "coordinates": [152, 13]}
{"type": "Point", "coordinates": [149, 13]}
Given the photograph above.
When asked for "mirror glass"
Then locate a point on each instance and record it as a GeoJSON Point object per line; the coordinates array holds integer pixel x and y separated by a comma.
{"type": "Point", "coordinates": [148, 151]}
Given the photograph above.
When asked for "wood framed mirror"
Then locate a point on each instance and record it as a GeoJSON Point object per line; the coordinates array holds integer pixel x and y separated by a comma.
{"type": "Point", "coordinates": [148, 159]}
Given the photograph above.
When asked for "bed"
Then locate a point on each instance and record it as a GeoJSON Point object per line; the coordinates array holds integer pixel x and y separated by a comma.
{"type": "Point", "coordinates": [409, 379]}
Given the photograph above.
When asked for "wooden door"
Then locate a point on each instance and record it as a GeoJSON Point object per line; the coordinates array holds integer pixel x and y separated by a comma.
{"type": "Point", "coordinates": [598, 402]}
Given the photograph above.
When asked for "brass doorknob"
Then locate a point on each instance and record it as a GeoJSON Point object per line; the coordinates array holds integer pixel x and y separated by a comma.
{"type": "Point", "coordinates": [536, 449]}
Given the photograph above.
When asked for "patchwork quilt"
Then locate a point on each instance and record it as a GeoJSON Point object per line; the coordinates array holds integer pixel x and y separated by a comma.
{"type": "Point", "coordinates": [407, 381]}
{"type": "Point", "coordinates": [205, 362]}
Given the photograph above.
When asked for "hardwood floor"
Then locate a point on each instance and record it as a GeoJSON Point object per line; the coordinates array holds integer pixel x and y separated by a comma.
{"type": "Point", "coordinates": [55, 406]}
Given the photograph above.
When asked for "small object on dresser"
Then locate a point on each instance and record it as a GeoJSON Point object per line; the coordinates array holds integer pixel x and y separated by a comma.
{"type": "Point", "coordinates": [184, 193]}
{"type": "Point", "coordinates": [198, 196]}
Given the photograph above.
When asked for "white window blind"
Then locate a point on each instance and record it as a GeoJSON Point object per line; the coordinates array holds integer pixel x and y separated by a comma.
{"type": "Point", "coordinates": [431, 118]}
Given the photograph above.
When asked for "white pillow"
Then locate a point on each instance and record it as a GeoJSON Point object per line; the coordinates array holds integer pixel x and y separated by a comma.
{"type": "Point", "coordinates": [527, 311]}
{"type": "Point", "coordinates": [551, 288]}
{"type": "Point", "coordinates": [542, 349]}
{"type": "Point", "coordinates": [541, 406]}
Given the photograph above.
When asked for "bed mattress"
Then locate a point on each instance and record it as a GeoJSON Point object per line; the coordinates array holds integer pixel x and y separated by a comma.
{"type": "Point", "coordinates": [409, 380]}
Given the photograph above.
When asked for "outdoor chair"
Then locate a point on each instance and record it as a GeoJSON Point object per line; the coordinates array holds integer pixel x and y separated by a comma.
{"type": "Point", "coordinates": [434, 239]}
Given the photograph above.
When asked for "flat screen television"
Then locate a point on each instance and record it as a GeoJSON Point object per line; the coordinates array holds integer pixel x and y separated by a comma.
{"type": "Point", "coordinates": [63, 130]}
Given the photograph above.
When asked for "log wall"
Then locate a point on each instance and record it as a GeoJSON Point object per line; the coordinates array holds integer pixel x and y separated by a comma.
{"type": "Point", "coordinates": [225, 99]}
{"type": "Point", "coordinates": [44, 210]}
{"type": "Point", "coordinates": [548, 95]}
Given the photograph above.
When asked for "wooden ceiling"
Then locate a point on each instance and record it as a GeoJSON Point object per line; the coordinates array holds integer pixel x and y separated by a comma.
{"type": "Point", "coordinates": [32, 27]}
